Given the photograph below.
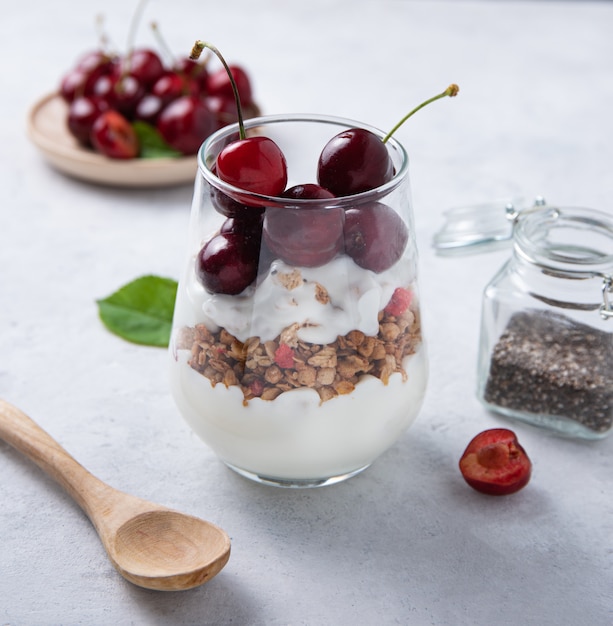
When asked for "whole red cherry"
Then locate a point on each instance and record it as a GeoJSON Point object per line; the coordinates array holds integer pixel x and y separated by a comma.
{"type": "Point", "coordinates": [144, 64]}
{"type": "Point", "coordinates": [227, 263]}
{"type": "Point", "coordinates": [357, 160]}
{"type": "Point", "coordinates": [305, 236]}
{"type": "Point", "coordinates": [219, 84]}
{"type": "Point", "coordinates": [255, 164]}
{"type": "Point", "coordinates": [375, 236]}
{"type": "Point", "coordinates": [494, 463]}
{"type": "Point", "coordinates": [185, 123]}
{"type": "Point", "coordinates": [82, 113]}
{"type": "Point", "coordinates": [354, 161]}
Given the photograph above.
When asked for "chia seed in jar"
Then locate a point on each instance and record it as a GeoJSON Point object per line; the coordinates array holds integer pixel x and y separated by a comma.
{"type": "Point", "coordinates": [548, 364]}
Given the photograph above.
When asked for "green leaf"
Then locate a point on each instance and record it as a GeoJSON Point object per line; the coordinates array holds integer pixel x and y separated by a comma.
{"type": "Point", "coordinates": [141, 311]}
{"type": "Point", "coordinates": [152, 144]}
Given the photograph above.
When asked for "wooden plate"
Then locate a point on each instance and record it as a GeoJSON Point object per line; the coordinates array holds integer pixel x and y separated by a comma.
{"type": "Point", "coordinates": [48, 131]}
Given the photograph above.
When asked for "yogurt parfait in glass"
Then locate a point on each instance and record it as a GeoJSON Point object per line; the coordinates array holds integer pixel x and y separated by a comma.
{"type": "Point", "coordinates": [297, 352]}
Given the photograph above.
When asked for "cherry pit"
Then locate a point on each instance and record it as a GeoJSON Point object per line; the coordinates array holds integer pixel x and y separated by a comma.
{"type": "Point", "coordinates": [495, 463]}
{"type": "Point", "coordinates": [354, 161]}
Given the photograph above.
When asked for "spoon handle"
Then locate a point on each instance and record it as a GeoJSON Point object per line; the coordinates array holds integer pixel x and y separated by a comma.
{"type": "Point", "coordinates": [21, 432]}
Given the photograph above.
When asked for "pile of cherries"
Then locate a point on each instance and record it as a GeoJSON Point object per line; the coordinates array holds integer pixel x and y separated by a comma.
{"type": "Point", "coordinates": [183, 103]}
{"type": "Point", "coordinates": [354, 161]}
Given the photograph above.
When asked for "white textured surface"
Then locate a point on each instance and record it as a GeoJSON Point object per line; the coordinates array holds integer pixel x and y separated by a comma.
{"type": "Point", "coordinates": [407, 541]}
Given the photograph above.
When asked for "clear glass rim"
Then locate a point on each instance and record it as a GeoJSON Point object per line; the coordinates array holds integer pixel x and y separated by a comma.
{"type": "Point", "coordinates": [569, 258]}
{"type": "Point", "coordinates": [254, 199]}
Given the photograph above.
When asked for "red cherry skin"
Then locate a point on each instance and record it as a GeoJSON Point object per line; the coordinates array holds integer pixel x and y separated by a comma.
{"type": "Point", "coordinates": [122, 93]}
{"type": "Point", "coordinates": [81, 79]}
{"type": "Point", "coordinates": [148, 109]}
{"type": "Point", "coordinates": [226, 264]}
{"type": "Point", "coordinates": [249, 227]}
{"type": "Point", "coordinates": [309, 191]}
{"type": "Point", "coordinates": [82, 113]}
{"type": "Point", "coordinates": [113, 136]}
{"type": "Point", "coordinates": [194, 70]}
{"type": "Point", "coordinates": [78, 83]}
{"type": "Point", "coordinates": [354, 161]}
{"type": "Point", "coordinates": [495, 463]}
{"type": "Point", "coordinates": [304, 236]}
{"type": "Point", "coordinates": [185, 123]}
{"type": "Point", "coordinates": [143, 64]}
{"type": "Point", "coordinates": [103, 88]}
{"type": "Point", "coordinates": [218, 84]}
{"type": "Point", "coordinates": [127, 93]}
{"type": "Point", "coordinates": [375, 236]}
{"type": "Point", "coordinates": [171, 85]}
{"type": "Point", "coordinates": [255, 164]}
{"type": "Point", "coordinates": [72, 85]}
{"type": "Point", "coordinates": [231, 208]}
{"type": "Point", "coordinates": [224, 110]}
{"type": "Point", "coordinates": [96, 60]}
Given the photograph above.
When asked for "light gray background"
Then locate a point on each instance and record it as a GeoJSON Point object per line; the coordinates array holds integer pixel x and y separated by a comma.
{"type": "Point", "coordinates": [406, 542]}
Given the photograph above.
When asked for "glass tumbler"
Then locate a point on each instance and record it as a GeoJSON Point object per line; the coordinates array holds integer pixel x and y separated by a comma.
{"type": "Point", "coordinates": [546, 351]}
{"type": "Point", "coordinates": [296, 351]}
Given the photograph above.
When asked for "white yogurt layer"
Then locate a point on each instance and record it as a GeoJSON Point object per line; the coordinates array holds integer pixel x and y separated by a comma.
{"type": "Point", "coordinates": [296, 436]}
{"type": "Point", "coordinates": [351, 300]}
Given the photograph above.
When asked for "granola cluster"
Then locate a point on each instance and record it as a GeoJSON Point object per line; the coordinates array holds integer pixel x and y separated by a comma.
{"type": "Point", "coordinates": [267, 369]}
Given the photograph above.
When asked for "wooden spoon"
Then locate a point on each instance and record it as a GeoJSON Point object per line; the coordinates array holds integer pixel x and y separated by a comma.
{"type": "Point", "coordinates": [150, 545]}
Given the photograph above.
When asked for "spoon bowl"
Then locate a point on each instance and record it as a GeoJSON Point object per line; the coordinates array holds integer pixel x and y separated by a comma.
{"type": "Point", "coordinates": [165, 550]}
{"type": "Point", "coordinates": [150, 545]}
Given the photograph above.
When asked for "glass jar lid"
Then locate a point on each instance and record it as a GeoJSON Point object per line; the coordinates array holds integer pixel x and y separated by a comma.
{"type": "Point", "coordinates": [480, 227]}
{"type": "Point", "coordinates": [566, 241]}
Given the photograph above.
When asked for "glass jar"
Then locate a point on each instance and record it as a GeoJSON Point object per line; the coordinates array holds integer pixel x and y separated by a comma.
{"type": "Point", "coordinates": [546, 348]}
{"type": "Point", "coordinates": [317, 366]}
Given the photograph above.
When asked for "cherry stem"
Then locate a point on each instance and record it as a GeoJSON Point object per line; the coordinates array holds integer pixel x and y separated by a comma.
{"type": "Point", "coordinates": [199, 46]}
{"type": "Point", "coordinates": [161, 41]}
{"type": "Point", "coordinates": [451, 91]}
{"type": "Point", "coordinates": [132, 33]}
{"type": "Point", "coordinates": [102, 36]}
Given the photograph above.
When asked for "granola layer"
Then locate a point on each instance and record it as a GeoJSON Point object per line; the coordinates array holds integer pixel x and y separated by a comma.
{"type": "Point", "coordinates": [268, 369]}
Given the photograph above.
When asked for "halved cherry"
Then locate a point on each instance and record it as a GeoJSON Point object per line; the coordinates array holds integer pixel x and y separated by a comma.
{"type": "Point", "coordinates": [113, 136]}
{"type": "Point", "coordinates": [494, 463]}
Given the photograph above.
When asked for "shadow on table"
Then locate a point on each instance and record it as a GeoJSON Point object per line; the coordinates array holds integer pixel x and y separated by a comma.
{"type": "Point", "coordinates": [407, 535]}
